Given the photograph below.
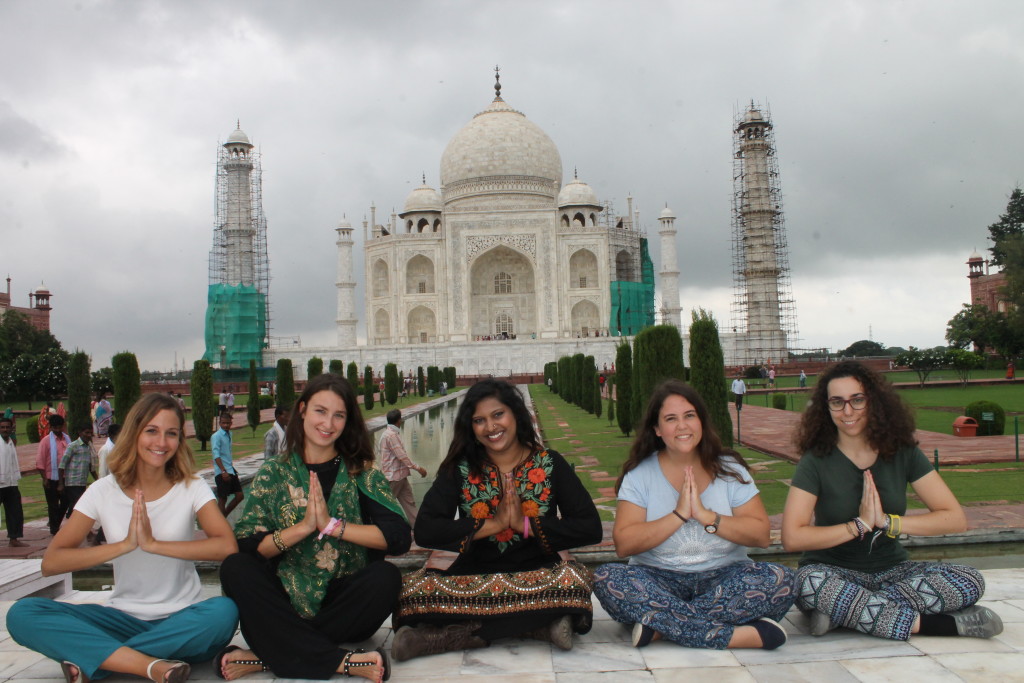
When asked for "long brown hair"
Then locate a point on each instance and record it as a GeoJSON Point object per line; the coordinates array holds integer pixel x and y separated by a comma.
{"type": "Point", "coordinates": [890, 422]}
{"type": "Point", "coordinates": [465, 444]}
{"type": "Point", "coordinates": [123, 459]}
{"type": "Point", "coordinates": [647, 443]}
{"type": "Point", "coordinates": [353, 443]}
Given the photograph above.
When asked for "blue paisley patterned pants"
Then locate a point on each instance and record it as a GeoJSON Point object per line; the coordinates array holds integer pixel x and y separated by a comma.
{"type": "Point", "coordinates": [886, 604]}
{"type": "Point", "coordinates": [695, 609]}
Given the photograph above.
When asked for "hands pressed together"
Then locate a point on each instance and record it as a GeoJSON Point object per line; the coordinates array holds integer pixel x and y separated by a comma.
{"type": "Point", "coordinates": [140, 532]}
{"type": "Point", "coordinates": [508, 514]}
{"type": "Point", "coordinates": [871, 512]}
{"type": "Point", "coordinates": [689, 505]}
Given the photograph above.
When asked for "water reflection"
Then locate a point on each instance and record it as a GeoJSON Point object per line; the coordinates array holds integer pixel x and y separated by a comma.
{"type": "Point", "coordinates": [426, 437]}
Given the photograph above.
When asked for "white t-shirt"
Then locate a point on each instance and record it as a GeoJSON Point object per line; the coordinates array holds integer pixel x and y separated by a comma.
{"type": "Point", "coordinates": [690, 548]}
{"type": "Point", "coordinates": [102, 456]}
{"type": "Point", "coordinates": [149, 586]}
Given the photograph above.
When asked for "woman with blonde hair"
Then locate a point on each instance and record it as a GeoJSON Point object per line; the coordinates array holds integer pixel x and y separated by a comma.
{"type": "Point", "coordinates": [155, 621]}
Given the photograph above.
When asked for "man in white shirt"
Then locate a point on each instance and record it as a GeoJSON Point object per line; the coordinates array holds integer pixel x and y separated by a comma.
{"type": "Point", "coordinates": [739, 387]}
{"type": "Point", "coordinates": [104, 467]}
{"type": "Point", "coordinates": [275, 442]}
{"type": "Point", "coordinates": [10, 494]}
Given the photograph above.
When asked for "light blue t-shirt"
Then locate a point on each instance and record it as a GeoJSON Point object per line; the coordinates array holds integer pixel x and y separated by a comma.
{"type": "Point", "coordinates": [221, 445]}
{"type": "Point", "coordinates": [690, 548]}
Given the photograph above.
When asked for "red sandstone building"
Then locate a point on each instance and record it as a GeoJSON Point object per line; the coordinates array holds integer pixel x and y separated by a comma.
{"type": "Point", "coordinates": [38, 311]}
{"type": "Point", "coordinates": [986, 288]}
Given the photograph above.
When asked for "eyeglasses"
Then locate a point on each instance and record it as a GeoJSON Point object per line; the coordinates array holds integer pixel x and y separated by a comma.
{"type": "Point", "coordinates": [857, 402]}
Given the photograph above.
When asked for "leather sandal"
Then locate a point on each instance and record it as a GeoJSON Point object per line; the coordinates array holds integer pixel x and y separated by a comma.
{"type": "Point", "coordinates": [385, 665]}
{"type": "Point", "coordinates": [218, 661]}
{"type": "Point", "coordinates": [178, 673]}
{"type": "Point", "coordinates": [69, 677]}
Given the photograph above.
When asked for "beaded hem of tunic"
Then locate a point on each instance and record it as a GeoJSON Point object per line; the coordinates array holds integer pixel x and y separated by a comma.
{"type": "Point", "coordinates": [278, 499]}
{"type": "Point", "coordinates": [567, 585]}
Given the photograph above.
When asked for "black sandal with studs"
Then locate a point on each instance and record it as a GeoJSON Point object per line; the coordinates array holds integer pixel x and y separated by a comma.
{"type": "Point", "coordinates": [218, 662]}
{"type": "Point", "coordinates": [346, 662]}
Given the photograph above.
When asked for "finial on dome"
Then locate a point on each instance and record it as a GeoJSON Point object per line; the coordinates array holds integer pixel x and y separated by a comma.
{"type": "Point", "coordinates": [575, 174]}
{"type": "Point", "coordinates": [424, 178]}
{"type": "Point", "coordinates": [238, 124]}
{"type": "Point", "coordinates": [497, 82]}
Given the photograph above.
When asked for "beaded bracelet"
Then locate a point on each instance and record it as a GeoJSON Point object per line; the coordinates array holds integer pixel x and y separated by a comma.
{"type": "Point", "coordinates": [279, 542]}
{"type": "Point", "coordinates": [862, 528]}
{"type": "Point", "coordinates": [344, 525]}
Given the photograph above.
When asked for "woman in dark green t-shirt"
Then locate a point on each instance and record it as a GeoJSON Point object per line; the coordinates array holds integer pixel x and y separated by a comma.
{"type": "Point", "coordinates": [846, 510]}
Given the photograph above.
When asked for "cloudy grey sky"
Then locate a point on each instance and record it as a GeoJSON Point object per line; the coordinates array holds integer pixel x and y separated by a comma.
{"type": "Point", "coordinates": [895, 125]}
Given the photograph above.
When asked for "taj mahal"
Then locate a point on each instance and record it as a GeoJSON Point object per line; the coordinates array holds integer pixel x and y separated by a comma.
{"type": "Point", "coordinates": [504, 268]}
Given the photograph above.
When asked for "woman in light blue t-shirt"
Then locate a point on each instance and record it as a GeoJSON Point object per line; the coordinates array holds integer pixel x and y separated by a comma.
{"type": "Point", "coordinates": [688, 509]}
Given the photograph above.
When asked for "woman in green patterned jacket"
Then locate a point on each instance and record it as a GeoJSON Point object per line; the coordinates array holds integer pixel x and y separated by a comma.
{"type": "Point", "coordinates": [311, 573]}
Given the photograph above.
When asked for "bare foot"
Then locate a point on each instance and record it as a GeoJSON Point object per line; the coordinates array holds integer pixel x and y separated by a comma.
{"type": "Point", "coordinates": [72, 673]}
{"type": "Point", "coordinates": [373, 673]}
{"type": "Point", "coordinates": [232, 668]}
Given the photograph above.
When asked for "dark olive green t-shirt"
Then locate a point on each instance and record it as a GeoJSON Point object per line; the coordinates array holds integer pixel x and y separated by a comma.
{"type": "Point", "coordinates": [838, 484]}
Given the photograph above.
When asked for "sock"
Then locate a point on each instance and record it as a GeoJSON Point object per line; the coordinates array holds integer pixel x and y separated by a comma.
{"type": "Point", "coordinates": [938, 625]}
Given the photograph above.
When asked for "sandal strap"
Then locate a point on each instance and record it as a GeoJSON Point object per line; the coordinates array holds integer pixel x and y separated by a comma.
{"type": "Point", "coordinates": [347, 663]}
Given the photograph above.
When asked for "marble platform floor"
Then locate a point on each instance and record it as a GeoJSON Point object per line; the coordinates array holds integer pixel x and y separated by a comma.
{"type": "Point", "coordinates": [605, 654]}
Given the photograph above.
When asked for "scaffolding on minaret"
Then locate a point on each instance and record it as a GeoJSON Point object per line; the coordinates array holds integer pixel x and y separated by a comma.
{"type": "Point", "coordinates": [238, 301]}
{"type": "Point", "coordinates": [763, 309]}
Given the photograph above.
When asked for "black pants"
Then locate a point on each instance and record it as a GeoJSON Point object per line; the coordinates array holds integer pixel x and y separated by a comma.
{"type": "Point", "coordinates": [56, 505]}
{"type": "Point", "coordinates": [294, 647]}
{"type": "Point", "coordinates": [10, 497]}
{"type": "Point", "coordinates": [71, 496]}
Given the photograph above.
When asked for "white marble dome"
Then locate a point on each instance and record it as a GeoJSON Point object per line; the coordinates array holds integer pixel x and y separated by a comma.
{"type": "Point", "coordinates": [667, 213]}
{"type": "Point", "coordinates": [238, 137]}
{"type": "Point", "coordinates": [577, 193]}
{"type": "Point", "coordinates": [423, 198]}
{"type": "Point", "coordinates": [500, 141]}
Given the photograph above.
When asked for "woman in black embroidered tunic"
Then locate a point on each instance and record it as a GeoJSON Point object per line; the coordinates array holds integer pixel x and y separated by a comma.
{"type": "Point", "coordinates": [508, 507]}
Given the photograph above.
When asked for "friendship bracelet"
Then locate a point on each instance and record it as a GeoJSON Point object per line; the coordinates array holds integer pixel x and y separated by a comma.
{"type": "Point", "coordinates": [862, 528]}
{"type": "Point", "coordinates": [526, 528]}
{"type": "Point", "coordinates": [849, 527]}
{"type": "Point", "coordinates": [329, 529]}
{"type": "Point", "coordinates": [676, 513]}
{"type": "Point", "coordinates": [279, 542]}
{"type": "Point", "coordinates": [344, 525]}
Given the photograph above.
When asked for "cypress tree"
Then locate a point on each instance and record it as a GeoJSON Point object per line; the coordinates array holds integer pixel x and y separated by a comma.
{"type": "Point", "coordinates": [598, 401]}
{"type": "Point", "coordinates": [79, 381]}
{"type": "Point", "coordinates": [624, 387]}
{"type": "Point", "coordinates": [368, 388]}
{"type": "Point", "coordinates": [390, 383]}
{"type": "Point", "coordinates": [589, 379]}
{"type": "Point", "coordinates": [658, 356]}
{"type": "Point", "coordinates": [353, 376]}
{"type": "Point", "coordinates": [252, 407]}
{"type": "Point", "coordinates": [707, 371]}
{"type": "Point", "coordinates": [314, 367]}
{"type": "Point", "coordinates": [433, 379]}
{"type": "Point", "coordinates": [201, 387]}
{"type": "Point", "coordinates": [565, 378]}
{"type": "Point", "coordinates": [421, 382]}
{"type": "Point", "coordinates": [577, 379]}
{"type": "Point", "coordinates": [336, 367]}
{"type": "Point", "coordinates": [127, 382]}
{"type": "Point", "coordinates": [285, 383]}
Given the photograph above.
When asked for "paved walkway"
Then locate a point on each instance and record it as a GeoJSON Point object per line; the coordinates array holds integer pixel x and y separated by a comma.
{"type": "Point", "coordinates": [605, 654]}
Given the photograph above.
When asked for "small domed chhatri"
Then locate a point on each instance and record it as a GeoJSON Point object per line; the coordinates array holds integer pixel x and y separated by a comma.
{"type": "Point", "coordinates": [423, 198]}
{"type": "Point", "coordinates": [238, 137]}
{"type": "Point", "coordinates": [577, 193]}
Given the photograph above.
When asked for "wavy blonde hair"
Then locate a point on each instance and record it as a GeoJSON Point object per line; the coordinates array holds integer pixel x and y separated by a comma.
{"type": "Point", "coordinates": [123, 459]}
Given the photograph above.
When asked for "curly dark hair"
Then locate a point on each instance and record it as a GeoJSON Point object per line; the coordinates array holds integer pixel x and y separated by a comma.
{"type": "Point", "coordinates": [890, 421]}
{"type": "Point", "coordinates": [465, 444]}
{"type": "Point", "coordinates": [353, 443]}
{"type": "Point", "coordinates": [647, 443]}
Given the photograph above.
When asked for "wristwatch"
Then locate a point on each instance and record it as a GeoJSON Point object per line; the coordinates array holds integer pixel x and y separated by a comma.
{"type": "Point", "coordinates": [713, 527]}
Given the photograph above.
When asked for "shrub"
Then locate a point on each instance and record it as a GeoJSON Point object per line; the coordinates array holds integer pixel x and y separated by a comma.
{"type": "Point", "coordinates": [252, 404]}
{"type": "Point", "coordinates": [369, 388]}
{"type": "Point", "coordinates": [266, 402]}
{"type": "Point", "coordinates": [392, 383]}
{"type": "Point", "coordinates": [753, 372]}
{"type": "Point", "coordinates": [127, 383]}
{"type": "Point", "coordinates": [624, 387]}
{"type": "Point", "coordinates": [708, 371]}
{"type": "Point", "coordinates": [352, 375]}
{"type": "Point", "coordinates": [201, 388]}
{"type": "Point", "coordinates": [314, 367]}
{"type": "Point", "coordinates": [986, 428]}
{"type": "Point", "coordinates": [79, 384]}
{"type": "Point", "coordinates": [779, 401]}
{"type": "Point", "coordinates": [336, 367]}
{"type": "Point", "coordinates": [285, 383]}
{"type": "Point", "coordinates": [32, 429]}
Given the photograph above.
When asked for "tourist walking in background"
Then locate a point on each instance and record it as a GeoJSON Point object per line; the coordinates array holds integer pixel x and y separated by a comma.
{"type": "Point", "coordinates": [739, 389]}
{"type": "Point", "coordinates": [224, 473]}
{"type": "Point", "coordinates": [311, 573]}
{"type": "Point", "coordinates": [78, 462]}
{"type": "Point", "coordinates": [508, 507]}
{"type": "Point", "coordinates": [688, 510]}
{"type": "Point", "coordinates": [103, 415]}
{"type": "Point", "coordinates": [155, 621]}
{"type": "Point", "coordinates": [51, 450]}
{"type": "Point", "coordinates": [10, 494]}
{"type": "Point", "coordinates": [274, 442]}
{"type": "Point", "coordinates": [845, 511]}
{"type": "Point", "coordinates": [102, 458]}
{"type": "Point", "coordinates": [396, 463]}
{"type": "Point", "coordinates": [803, 379]}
